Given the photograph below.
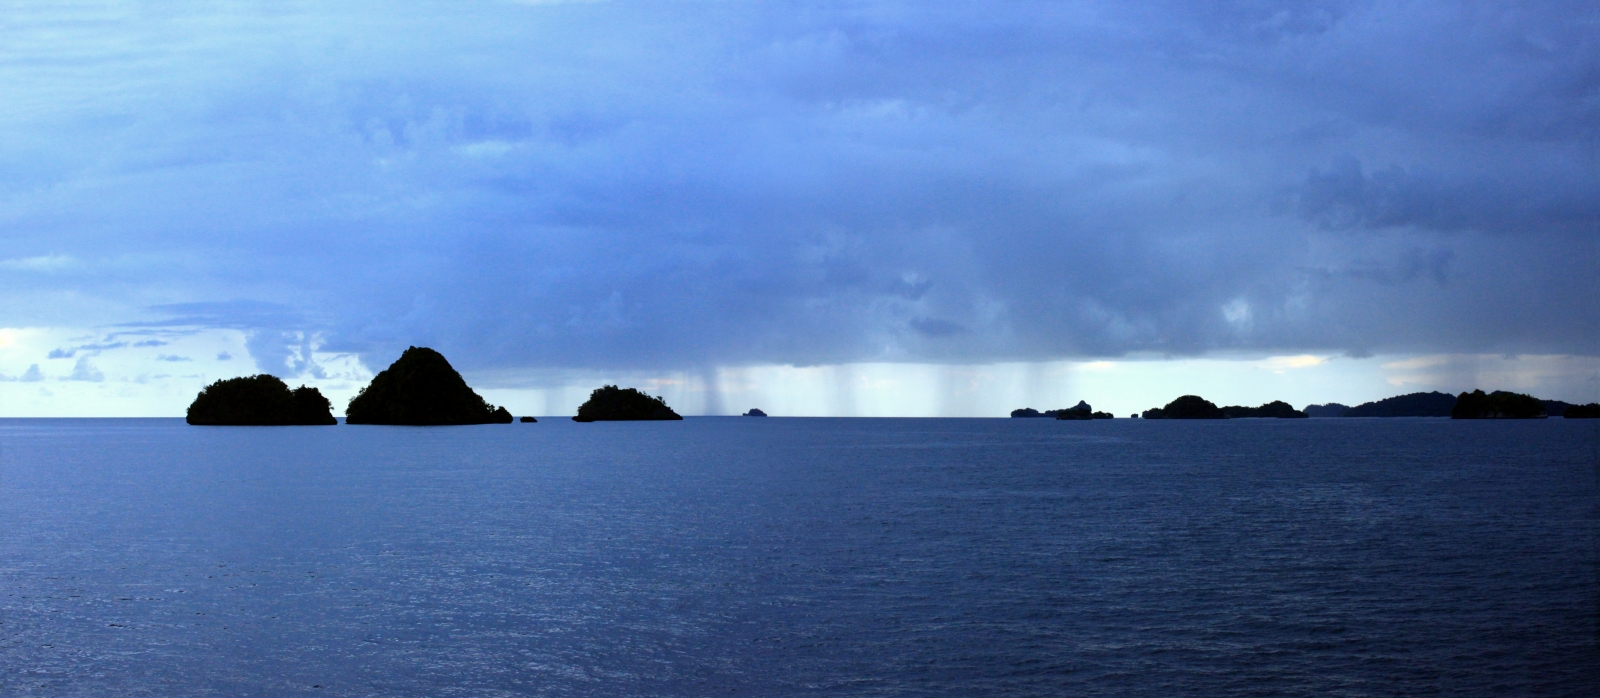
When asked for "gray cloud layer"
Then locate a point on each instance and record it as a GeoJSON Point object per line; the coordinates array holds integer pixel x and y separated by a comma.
{"type": "Point", "coordinates": [646, 185]}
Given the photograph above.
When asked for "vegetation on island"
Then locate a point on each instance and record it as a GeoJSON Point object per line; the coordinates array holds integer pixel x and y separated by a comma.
{"type": "Point", "coordinates": [260, 400]}
{"type": "Point", "coordinates": [1434, 404]}
{"type": "Point", "coordinates": [1497, 405]}
{"type": "Point", "coordinates": [754, 412]}
{"type": "Point", "coordinates": [1080, 411]}
{"type": "Point", "coordinates": [1275, 409]}
{"type": "Point", "coordinates": [1186, 407]}
{"type": "Point", "coordinates": [611, 403]}
{"type": "Point", "coordinates": [1332, 409]}
{"type": "Point", "coordinates": [1557, 408]}
{"type": "Point", "coordinates": [1474, 405]}
{"type": "Point", "coordinates": [421, 389]}
{"type": "Point", "coordinates": [528, 420]}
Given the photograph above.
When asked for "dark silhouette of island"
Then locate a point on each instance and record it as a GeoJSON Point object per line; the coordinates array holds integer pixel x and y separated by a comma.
{"type": "Point", "coordinates": [754, 412]}
{"type": "Point", "coordinates": [1332, 409]}
{"type": "Point", "coordinates": [528, 420]}
{"type": "Point", "coordinates": [1497, 405]}
{"type": "Point", "coordinates": [1557, 408]}
{"type": "Point", "coordinates": [259, 401]}
{"type": "Point", "coordinates": [1434, 404]}
{"type": "Point", "coordinates": [1186, 407]}
{"type": "Point", "coordinates": [1081, 411]}
{"type": "Point", "coordinates": [1589, 411]}
{"type": "Point", "coordinates": [613, 404]}
{"type": "Point", "coordinates": [1275, 409]}
{"type": "Point", "coordinates": [421, 389]}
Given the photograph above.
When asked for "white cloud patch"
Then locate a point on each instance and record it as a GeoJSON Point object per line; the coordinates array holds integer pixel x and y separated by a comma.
{"type": "Point", "coordinates": [85, 371]}
{"type": "Point", "coordinates": [41, 264]}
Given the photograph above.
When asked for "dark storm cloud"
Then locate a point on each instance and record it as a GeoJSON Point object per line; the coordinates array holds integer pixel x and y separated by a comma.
{"type": "Point", "coordinates": [634, 186]}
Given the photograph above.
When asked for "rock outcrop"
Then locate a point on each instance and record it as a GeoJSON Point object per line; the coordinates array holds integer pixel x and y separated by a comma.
{"type": "Point", "coordinates": [260, 400]}
{"type": "Point", "coordinates": [754, 412]}
{"type": "Point", "coordinates": [421, 389]}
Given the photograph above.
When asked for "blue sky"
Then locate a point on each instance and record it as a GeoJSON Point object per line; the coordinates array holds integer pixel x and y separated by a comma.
{"type": "Point", "coordinates": [845, 208]}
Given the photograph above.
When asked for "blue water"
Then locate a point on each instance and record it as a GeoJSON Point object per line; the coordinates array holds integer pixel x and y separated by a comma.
{"type": "Point", "coordinates": [722, 556]}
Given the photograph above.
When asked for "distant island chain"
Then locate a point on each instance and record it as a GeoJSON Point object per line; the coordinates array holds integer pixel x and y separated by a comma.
{"type": "Point", "coordinates": [421, 388]}
{"type": "Point", "coordinates": [1474, 405]}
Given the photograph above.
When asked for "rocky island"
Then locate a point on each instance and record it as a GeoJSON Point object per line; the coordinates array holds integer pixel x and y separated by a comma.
{"type": "Point", "coordinates": [1080, 411]}
{"type": "Point", "coordinates": [754, 412]}
{"type": "Point", "coordinates": [260, 400]}
{"type": "Point", "coordinates": [1497, 405]}
{"type": "Point", "coordinates": [1275, 409]}
{"type": "Point", "coordinates": [421, 389]}
{"type": "Point", "coordinates": [1332, 409]}
{"type": "Point", "coordinates": [1187, 407]}
{"type": "Point", "coordinates": [613, 404]}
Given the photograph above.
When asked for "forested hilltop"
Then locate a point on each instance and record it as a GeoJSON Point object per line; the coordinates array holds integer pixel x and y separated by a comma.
{"type": "Point", "coordinates": [1477, 404]}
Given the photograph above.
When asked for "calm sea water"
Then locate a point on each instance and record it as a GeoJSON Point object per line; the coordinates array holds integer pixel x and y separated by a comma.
{"type": "Point", "coordinates": [737, 556]}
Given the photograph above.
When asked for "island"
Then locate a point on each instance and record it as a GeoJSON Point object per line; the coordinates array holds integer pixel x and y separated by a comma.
{"type": "Point", "coordinates": [1080, 411]}
{"type": "Point", "coordinates": [754, 412]}
{"type": "Point", "coordinates": [528, 420]}
{"type": "Point", "coordinates": [259, 401]}
{"type": "Point", "coordinates": [421, 389]}
{"type": "Point", "coordinates": [613, 404]}
{"type": "Point", "coordinates": [1589, 411]}
{"type": "Point", "coordinates": [1276, 409]}
{"type": "Point", "coordinates": [1077, 412]}
{"type": "Point", "coordinates": [1332, 409]}
{"type": "Point", "coordinates": [1497, 405]}
{"type": "Point", "coordinates": [1434, 404]}
{"type": "Point", "coordinates": [1186, 407]}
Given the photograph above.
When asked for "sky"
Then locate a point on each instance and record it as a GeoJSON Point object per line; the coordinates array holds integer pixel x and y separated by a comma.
{"type": "Point", "coordinates": [845, 208]}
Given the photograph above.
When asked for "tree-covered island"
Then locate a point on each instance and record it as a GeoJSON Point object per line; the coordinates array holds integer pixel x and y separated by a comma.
{"type": "Point", "coordinates": [1186, 407]}
{"type": "Point", "coordinates": [613, 404]}
{"type": "Point", "coordinates": [260, 400]}
{"type": "Point", "coordinates": [421, 389]}
{"type": "Point", "coordinates": [1497, 405]}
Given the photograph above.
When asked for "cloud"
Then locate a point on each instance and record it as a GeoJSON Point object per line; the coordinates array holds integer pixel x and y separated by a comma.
{"type": "Point", "coordinates": [224, 356]}
{"type": "Point", "coordinates": [169, 357]}
{"type": "Point", "coordinates": [59, 353]}
{"type": "Point", "coordinates": [641, 187]}
{"type": "Point", "coordinates": [32, 375]}
{"type": "Point", "coordinates": [85, 371]}
{"type": "Point", "coordinates": [41, 264]}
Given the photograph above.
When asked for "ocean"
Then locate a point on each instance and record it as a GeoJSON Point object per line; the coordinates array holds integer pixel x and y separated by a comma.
{"type": "Point", "coordinates": [790, 556]}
